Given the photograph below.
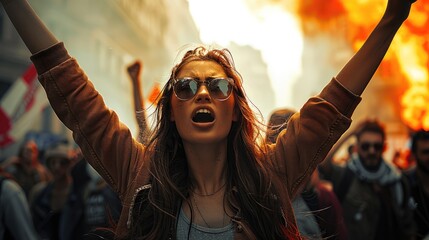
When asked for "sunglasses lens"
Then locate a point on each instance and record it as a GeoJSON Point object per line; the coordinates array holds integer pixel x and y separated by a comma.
{"type": "Point", "coordinates": [185, 88]}
{"type": "Point", "coordinates": [376, 146]}
{"type": "Point", "coordinates": [425, 151]}
{"type": "Point", "coordinates": [219, 88]}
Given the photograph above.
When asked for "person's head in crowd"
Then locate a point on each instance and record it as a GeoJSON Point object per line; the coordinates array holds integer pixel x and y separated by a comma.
{"type": "Point", "coordinates": [277, 122]}
{"type": "Point", "coordinates": [370, 142]}
{"type": "Point", "coordinates": [29, 153]}
{"type": "Point", "coordinates": [420, 150]}
{"type": "Point", "coordinates": [59, 160]}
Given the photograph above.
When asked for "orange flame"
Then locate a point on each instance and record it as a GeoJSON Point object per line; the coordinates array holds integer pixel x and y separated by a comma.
{"type": "Point", "coordinates": [402, 159]}
{"type": "Point", "coordinates": [413, 56]}
{"type": "Point", "coordinates": [154, 93]}
{"type": "Point", "coordinates": [319, 14]}
{"type": "Point", "coordinates": [407, 58]}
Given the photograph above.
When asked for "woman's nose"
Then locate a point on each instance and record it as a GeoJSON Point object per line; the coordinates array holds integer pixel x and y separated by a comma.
{"type": "Point", "coordinates": [203, 94]}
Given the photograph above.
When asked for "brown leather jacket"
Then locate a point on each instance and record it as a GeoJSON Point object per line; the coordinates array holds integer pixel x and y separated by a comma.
{"type": "Point", "coordinates": [110, 148]}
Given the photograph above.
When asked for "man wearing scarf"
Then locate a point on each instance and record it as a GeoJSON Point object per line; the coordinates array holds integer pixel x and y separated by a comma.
{"type": "Point", "coordinates": [374, 194]}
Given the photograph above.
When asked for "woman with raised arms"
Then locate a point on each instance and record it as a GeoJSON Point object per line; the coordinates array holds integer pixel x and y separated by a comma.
{"type": "Point", "coordinates": [203, 173]}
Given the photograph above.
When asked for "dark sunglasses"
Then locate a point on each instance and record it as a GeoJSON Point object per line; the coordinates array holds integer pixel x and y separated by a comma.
{"type": "Point", "coordinates": [219, 88]}
{"type": "Point", "coordinates": [61, 160]}
{"type": "Point", "coordinates": [424, 151]}
{"type": "Point", "coordinates": [377, 146]}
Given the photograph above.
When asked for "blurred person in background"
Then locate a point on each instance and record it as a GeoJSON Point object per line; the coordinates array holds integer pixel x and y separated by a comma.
{"type": "Point", "coordinates": [419, 179]}
{"type": "Point", "coordinates": [317, 210]}
{"type": "Point", "coordinates": [102, 205]}
{"type": "Point", "coordinates": [134, 72]}
{"type": "Point", "coordinates": [374, 194]}
{"type": "Point", "coordinates": [26, 167]}
{"type": "Point", "coordinates": [57, 206]}
{"type": "Point", "coordinates": [15, 217]}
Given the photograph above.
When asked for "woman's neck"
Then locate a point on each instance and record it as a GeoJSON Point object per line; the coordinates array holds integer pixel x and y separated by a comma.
{"type": "Point", "coordinates": [207, 164]}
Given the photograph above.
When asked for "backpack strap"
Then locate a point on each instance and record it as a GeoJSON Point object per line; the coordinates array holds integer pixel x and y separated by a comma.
{"type": "Point", "coordinates": [344, 184]}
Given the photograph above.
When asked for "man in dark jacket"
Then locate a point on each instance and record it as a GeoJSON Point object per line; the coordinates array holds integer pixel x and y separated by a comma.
{"type": "Point", "coordinates": [374, 194]}
{"type": "Point", "coordinates": [419, 179]}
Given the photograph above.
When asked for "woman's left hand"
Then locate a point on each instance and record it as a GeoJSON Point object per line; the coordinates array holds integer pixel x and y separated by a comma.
{"type": "Point", "coordinates": [398, 10]}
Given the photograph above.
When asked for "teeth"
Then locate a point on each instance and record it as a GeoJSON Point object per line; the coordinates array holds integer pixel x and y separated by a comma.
{"type": "Point", "coordinates": [203, 110]}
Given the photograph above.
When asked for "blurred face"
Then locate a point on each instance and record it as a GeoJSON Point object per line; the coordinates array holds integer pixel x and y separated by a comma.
{"type": "Point", "coordinates": [422, 155]}
{"type": "Point", "coordinates": [370, 149]}
{"type": "Point", "coordinates": [59, 166]}
{"type": "Point", "coordinates": [30, 152]}
{"type": "Point", "coordinates": [203, 118]}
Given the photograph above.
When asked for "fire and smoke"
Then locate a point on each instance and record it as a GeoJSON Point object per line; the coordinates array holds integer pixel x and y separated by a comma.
{"type": "Point", "coordinates": [407, 59]}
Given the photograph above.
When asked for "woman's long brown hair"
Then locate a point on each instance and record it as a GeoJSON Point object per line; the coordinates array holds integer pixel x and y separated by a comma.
{"type": "Point", "coordinates": [250, 191]}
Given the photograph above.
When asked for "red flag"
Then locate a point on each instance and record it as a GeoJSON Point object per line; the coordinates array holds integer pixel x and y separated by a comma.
{"type": "Point", "coordinates": [19, 106]}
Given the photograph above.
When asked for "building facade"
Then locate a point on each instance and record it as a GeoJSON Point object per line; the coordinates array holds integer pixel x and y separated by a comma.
{"type": "Point", "coordinates": [104, 36]}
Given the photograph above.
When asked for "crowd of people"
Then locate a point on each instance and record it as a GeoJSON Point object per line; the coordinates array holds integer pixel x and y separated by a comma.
{"type": "Point", "coordinates": [61, 198]}
{"type": "Point", "coordinates": [205, 169]}
{"type": "Point", "coordinates": [367, 198]}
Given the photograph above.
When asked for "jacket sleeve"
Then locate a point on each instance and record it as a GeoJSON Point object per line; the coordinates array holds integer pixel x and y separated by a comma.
{"type": "Point", "coordinates": [107, 144]}
{"type": "Point", "coordinates": [311, 133]}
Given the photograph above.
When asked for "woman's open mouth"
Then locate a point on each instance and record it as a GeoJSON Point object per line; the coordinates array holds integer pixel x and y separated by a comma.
{"type": "Point", "coordinates": [203, 115]}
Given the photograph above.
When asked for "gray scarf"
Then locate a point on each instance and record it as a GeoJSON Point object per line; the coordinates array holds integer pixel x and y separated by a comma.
{"type": "Point", "coordinates": [385, 175]}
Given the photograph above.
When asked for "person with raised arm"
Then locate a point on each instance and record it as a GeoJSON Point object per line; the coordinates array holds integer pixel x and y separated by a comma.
{"type": "Point", "coordinates": [206, 172]}
{"type": "Point", "coordinates": [134, 72]}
